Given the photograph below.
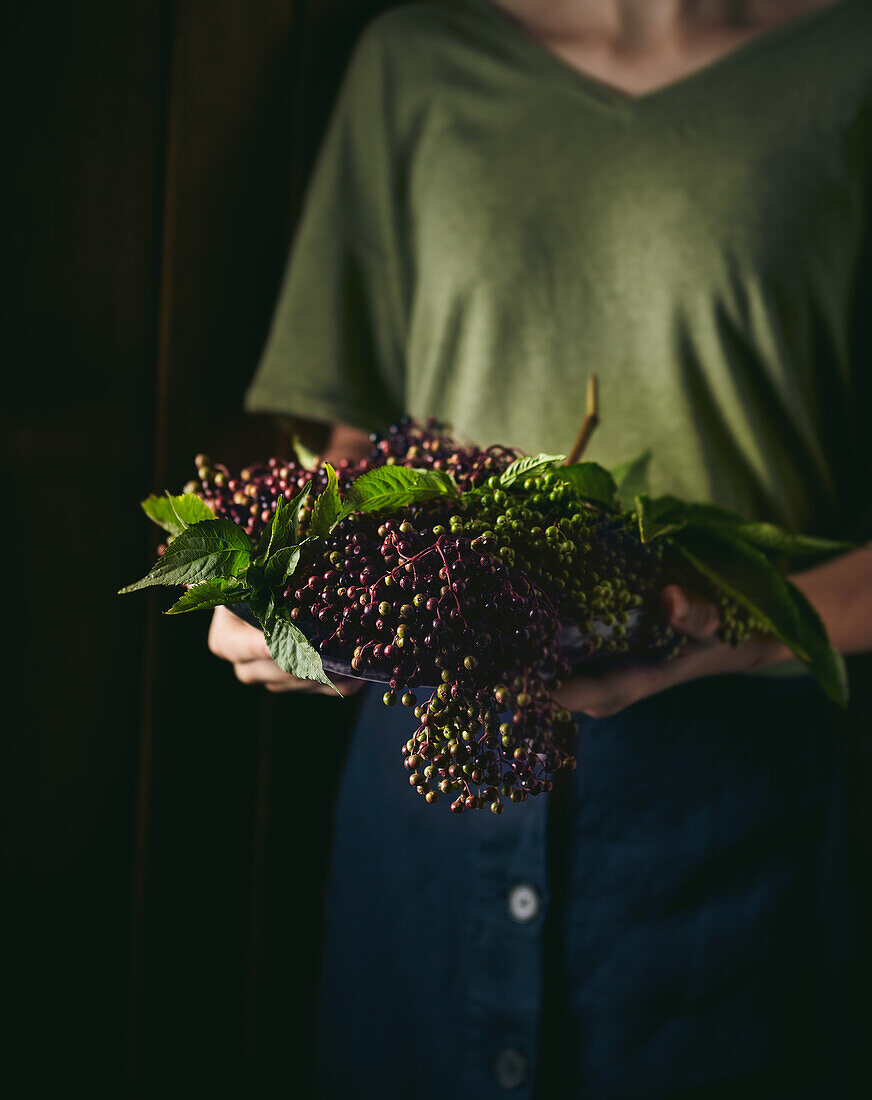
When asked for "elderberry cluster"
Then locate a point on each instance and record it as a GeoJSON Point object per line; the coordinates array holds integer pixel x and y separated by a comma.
{"type": "Point", "coordinates": [248, 496]}
{"type": "Point", "coordinates": [467, 607]}
{"type": "Point", "coordinates": [415, 605]}
{"type": "Point", "coordinates": [592, 563]}
{"type": "Point", "coordinates": [430, 446]}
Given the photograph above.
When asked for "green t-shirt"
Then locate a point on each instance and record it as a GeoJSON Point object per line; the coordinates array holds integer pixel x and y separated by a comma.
{"type": "Point", "coordinates": [486, 226]}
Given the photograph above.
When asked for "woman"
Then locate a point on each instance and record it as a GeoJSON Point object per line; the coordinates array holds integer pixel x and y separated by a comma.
{"type": "Point", "coordinates": [675, 194]}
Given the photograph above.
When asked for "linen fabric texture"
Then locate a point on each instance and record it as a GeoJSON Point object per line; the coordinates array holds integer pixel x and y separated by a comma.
{"type": "Point", "coordinates": [486, 227]}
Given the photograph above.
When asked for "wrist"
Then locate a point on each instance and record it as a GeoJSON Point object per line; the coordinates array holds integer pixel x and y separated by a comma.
{"type": "Point", "coordinates": [765, 649]}
{"type": "Point", "coordinates": [756, 652]}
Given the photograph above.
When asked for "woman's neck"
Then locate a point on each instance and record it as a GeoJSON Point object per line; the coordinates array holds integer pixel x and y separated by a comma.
{"type": "Point", "coordinates": [638, 46]}
{"type": "Point", "coordinates": [639, 24]}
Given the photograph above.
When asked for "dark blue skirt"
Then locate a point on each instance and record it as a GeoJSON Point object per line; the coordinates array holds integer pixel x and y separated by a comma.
{"type": "Point", "coordinates": [676, 920]}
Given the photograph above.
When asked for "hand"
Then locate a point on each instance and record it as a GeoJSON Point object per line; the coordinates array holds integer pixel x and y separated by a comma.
{"type": "Point", "coordinates": [600, 694]}
{"type": "Point", "coordinates": [244, 646]}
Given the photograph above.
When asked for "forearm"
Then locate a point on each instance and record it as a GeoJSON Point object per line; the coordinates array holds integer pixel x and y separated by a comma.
{"type": "Point", "coordinates": [841, 593]}
{"type": "Point", "coordinates": [332, 441]}
{"type": "Point", "coordinates": [347, 442]}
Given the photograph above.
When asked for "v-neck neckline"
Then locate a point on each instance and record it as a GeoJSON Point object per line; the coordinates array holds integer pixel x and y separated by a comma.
{"type": "Point", "coordinates": [616, 97]}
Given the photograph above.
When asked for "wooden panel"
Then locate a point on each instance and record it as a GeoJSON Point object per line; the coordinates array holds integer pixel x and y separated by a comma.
{"type": "Point", "coordinates": [80, 224]}
{"type": "Point", "coordinates": [225, 228]}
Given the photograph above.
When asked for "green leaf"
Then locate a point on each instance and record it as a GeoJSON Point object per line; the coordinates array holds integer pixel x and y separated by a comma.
{"type": "Point", "coordinates": [643, 515]}
{"type": "Point", "coordinates": [631, 478]}
{"type": "Point", "coordinates": [327, 507]}
{"type": "Point", "coordinates": [283, 528]}
{"type": "Point", "coordinates": [208, 594]}
{"type": "Point", "coordinates": [262, 602]}
{"type": "Point", "coordinates": [306, 458]}
{"type": "Point", "coordinates": [174, 514]}
{"type": "Point", "coordinates": [281, 565]}
{"type": "Point", "coordinates": [827, 664]}
{"type": "Point", "coordinates": [160, 511]}
{"type": "Point", "coordinates": [293, 653]}
{"type": "Point", "coordinates": [791, 551]}
{"type": "Point", "coordinates": [655, 518]}
{"type": "Point", "coordinates": [743, 572]}
{"type": "Point", "coordinates": [202, 552]}
{"type": "Point", "coordinates": [667, 514]}
{"type": "Point", "coordinates": [396, 487]}
{"type": "Point", "coordinates": [527, 466]}
{"type": "Point", "coordinates": [254, 577]}
{"type": "Point", "coordinates": [189, 508]}
{"type": "Point", "coordinates": [591, 481]}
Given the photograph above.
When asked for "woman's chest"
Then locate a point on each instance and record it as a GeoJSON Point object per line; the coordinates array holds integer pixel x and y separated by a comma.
{"type": "Point", "coordinates": [554, 187]}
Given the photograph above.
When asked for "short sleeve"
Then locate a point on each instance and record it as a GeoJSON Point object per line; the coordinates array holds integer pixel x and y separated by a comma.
{"type": "Point", "coordinates": [335, 350]}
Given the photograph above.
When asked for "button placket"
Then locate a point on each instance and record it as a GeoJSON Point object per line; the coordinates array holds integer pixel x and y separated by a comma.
{"type": "Point", "coordinates": [507, 905]}
{"type": "Point", "coordinates": [524, 903]}
{"type": "Point", "coordinates": [511, 1069]}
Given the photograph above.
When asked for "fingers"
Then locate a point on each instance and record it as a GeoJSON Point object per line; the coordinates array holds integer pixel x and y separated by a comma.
{"type": "Point", "coordinates": [265, 671]}
{"type": "Point", "coordinates": [268, 673]}
{"type": "Point", "coordinates": [605, 694]}
{"type": "Point", "coordinates": [234, 640]}
{"type": "Point", "coordinates": [345, 686]}
{"type": "Point", "coordinates": [689, 613]}
{"type": "Point", "coordinates": [298, 687]}
{"type": "Point", "coordinates": [244, 647]}
{"type": "Point", "coordinates": [602, 694]}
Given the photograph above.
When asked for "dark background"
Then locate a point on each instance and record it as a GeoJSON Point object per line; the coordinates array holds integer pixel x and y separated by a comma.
{"type": "Point", "coordinates": [163, 862]}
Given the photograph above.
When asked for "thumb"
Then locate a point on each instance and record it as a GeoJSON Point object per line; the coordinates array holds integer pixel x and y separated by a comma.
{"type": "Point", "coordinates": [689, 613]}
